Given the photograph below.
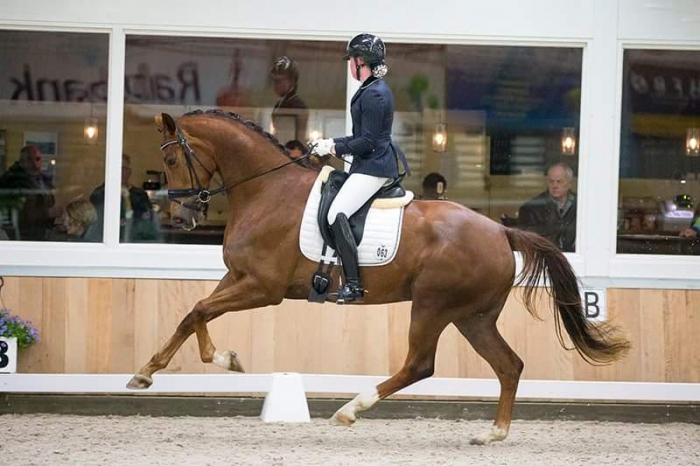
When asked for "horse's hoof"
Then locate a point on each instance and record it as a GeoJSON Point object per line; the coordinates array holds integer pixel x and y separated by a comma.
{"type": "Point", "coordinates": [496, 434]}
{"type": "Point", "coordinates": [139, 382]}
{"type": "Point", "coordinates": [342, 419]}
{"type": "Point", "coordinates": [228, 360]}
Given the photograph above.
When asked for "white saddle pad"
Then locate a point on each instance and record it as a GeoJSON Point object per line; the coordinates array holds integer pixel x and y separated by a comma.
{"type": "Point", "coordinates": [380, 239]}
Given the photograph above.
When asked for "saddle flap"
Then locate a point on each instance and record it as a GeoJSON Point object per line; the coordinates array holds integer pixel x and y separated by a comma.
{"type": "Point", "coordinates": [380, 238]}
{"type": "Point", "coordinates": [391, 196]}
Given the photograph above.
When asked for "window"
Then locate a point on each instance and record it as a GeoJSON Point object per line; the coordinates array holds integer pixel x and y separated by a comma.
{"type": "Point", "coordinates": [659, 189]}
{"type": "Point", "coordinates": [53, 95]}
{"type": "Point", "coordinates": [290, 88]}
{"type": "Point", "coordinates": [481, 125]}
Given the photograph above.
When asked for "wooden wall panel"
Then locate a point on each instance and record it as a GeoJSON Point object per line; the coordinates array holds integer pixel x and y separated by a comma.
{"type": "Point", "coordinates": [146, 322]}
{"type": "Point", "coordinates": [75, 327]}
{"type": "Point", "coordinates": [115, 326]}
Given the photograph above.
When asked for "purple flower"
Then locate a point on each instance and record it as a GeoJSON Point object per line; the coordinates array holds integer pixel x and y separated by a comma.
{"type": "Point", "coordinates": [14, 326]}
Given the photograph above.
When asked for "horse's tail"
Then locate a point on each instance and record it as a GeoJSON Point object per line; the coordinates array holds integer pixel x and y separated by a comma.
{"type": "Point", "coordinates": [596, 343]}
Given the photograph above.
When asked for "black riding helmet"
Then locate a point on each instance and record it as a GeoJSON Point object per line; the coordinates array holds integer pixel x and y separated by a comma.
{"type": "Point", "coordinates": [285, 67]}
{"type": "Point", "coordinates": [368, 46]}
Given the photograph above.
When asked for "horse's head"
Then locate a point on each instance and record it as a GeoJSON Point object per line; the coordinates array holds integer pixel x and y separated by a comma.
{"type": "Point", "coordinates": [189, 164]}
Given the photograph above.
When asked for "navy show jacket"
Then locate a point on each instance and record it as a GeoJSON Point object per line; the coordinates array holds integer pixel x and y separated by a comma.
{"type": "Point", "coordinates": [373, 151]}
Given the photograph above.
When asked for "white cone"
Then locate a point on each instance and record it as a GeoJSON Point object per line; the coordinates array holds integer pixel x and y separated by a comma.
{"type": "Point", "coordinates": [286, 400]}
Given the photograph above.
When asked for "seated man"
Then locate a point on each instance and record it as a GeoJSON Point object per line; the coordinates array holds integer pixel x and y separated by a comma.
{"type": "Point", "coordinates": [25, 182]}
{"type": "Point", "coordinates": [552, 214]}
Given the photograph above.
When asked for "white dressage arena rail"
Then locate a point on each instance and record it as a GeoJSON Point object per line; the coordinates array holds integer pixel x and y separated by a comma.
{"type": "Point", "coordinates": [655, 392]}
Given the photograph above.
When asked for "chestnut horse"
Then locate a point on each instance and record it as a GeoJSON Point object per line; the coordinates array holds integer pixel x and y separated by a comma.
{"type": "Point", "coordinates": [456, 266]}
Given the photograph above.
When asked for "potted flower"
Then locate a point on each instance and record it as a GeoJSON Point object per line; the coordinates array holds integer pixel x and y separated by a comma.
{"type": "Point", "coordinates": [14, 333]}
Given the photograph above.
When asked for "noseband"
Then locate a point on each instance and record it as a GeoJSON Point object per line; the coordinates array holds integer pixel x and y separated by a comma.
{"type": "Point", "coordinates": [203, 194]}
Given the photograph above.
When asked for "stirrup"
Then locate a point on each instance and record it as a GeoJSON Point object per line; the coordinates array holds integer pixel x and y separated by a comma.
{"type": "Point", "coordinates": [351, 295]}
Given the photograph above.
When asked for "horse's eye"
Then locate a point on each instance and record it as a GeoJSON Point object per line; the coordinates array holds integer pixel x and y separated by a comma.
{"type": "Point", "coordinates": [171, 162]}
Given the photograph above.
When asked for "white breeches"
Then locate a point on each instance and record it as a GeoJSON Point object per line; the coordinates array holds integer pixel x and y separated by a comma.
{"type": "Point", "coordinates": [357, 190]}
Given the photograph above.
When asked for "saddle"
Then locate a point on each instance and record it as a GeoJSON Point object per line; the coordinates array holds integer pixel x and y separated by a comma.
{"type": "Point", "coordinates": [391, 196]}
{"type": "Point", "coordinates": [330, 189]}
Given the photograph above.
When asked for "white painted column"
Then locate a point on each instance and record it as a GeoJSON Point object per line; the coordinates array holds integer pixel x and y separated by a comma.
{"type": "Point", "coordinates": [599, 160]}
{"type": "Point", "coordinates": [115, 129]}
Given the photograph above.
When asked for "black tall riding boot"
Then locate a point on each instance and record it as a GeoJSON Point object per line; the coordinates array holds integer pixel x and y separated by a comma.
{"type": "Point", "coordinates": [352, 291]}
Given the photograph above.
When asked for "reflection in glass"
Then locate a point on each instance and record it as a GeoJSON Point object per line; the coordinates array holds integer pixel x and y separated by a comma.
{"type": "Point", "coordinates": [505, 108]}
{"type": "Point", "coordinates": [440, 138]}
{"type": "Point", "coordinates": [51, 82]}
{"type": "Point", "coordinates": [659, 189]}
{"type": "Point", "coordinates": [294, 89]}
{"type": "Point", "coordinates": [692, 142]}
{"type": "Point", "coordinates": [568, 141]}
{"type": "Point", "coordinates": [91, 130]}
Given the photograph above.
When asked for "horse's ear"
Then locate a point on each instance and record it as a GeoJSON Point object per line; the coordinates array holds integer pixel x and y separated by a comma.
{"type": "Point", "coordinates": [166, 122]}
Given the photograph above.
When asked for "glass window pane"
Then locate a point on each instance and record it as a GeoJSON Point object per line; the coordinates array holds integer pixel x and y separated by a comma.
{"type": "Point", "coordinates": [659, 189]}
{"type": "Point", "coordinates": [481, 125]}
{"type": "Point", "coordinates": [53, 96]}
{"type": "Point", "coordinates": [290, 97]}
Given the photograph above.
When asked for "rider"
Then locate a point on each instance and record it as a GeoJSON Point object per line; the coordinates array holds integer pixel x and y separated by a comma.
{"type": "Point", "coordinates": [375, 157]}
{"type": "Point", "coordinates": [285, 82]}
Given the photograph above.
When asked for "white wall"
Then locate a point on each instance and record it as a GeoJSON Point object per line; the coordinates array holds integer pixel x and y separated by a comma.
{"type": "Point", "coordinates": [410, 19]}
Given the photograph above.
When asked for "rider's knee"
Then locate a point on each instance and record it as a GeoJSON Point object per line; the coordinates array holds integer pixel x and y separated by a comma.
{"type": "Point", "coordinates": [332, 215]}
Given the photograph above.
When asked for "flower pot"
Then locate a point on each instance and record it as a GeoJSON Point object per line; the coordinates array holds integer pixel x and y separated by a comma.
{"type": "Point", "coordinates": [8, 355]}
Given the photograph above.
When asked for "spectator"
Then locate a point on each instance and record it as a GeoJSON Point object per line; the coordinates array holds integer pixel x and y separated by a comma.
{"type": "Point", "coordinates": [434, 187]}
{"type": "Point", "coordinates": [25, 181]}
{"type": "Point", "coordinates": [290, 114]}
{"type": "Point", "coordinates": [694, 228]}
{"type": "Point", "coordinates": [552, 213]}
{"type": "Point", "coordinates": [80, 221]}
{"type": "Point", "coordinates": [297, 149]}
{"type": "Point", "coordinates": [138, 220]}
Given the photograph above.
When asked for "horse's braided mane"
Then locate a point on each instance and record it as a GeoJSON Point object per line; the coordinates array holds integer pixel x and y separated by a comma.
{"type": "Point", "coordinates": [252, 125]}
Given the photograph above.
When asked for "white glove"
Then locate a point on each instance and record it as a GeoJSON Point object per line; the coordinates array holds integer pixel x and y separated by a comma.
{"type": "Point", "coordinates": [324, 147]}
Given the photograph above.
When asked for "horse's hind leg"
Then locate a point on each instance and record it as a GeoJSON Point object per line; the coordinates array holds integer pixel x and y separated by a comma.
{"type": "Point", "coordinates": [481, 331]}
{"type": "Point", "coordinates": [420, 364]}
{"type": "Point", "coordinates": [228, 296]}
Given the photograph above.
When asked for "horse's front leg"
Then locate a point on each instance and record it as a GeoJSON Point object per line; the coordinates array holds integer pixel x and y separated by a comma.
{"type": "Point", "coordinates": [229, 296]}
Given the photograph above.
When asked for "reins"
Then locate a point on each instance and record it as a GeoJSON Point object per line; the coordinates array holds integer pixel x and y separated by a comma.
{"type": "Point", "coordinates": [205, 195]}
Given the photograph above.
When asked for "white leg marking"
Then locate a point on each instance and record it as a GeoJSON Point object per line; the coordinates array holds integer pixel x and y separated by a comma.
{"type": "Point", "coordinates": [222, 359]}
{"type": "Point", "coordinates": [495, 434]}
{"type": "Point", "coordinates": [345, 416]}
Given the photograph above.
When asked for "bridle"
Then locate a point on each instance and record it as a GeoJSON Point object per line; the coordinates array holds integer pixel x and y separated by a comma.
{"type": "Point", "coordinates": [204, 195]}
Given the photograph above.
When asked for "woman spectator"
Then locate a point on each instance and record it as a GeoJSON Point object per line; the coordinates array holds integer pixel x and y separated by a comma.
{"type": "Point", "coordinates": [79, 223]}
